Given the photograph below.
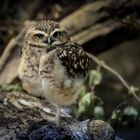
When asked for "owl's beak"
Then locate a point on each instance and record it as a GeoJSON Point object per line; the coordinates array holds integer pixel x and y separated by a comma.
{"type": "Point", "coordinates": [50, 41]}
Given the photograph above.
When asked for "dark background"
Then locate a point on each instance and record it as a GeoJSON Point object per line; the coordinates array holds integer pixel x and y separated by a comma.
{"type": "Point", "coordinates": [119, 48]}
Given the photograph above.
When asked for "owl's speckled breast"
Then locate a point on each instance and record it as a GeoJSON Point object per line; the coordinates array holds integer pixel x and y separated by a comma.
{"type": "Point", "coordinates": [65, 95]}
{"type": "Point", "coordinates": [33, 88]}
{"type": "Point", "coordinates": [28, 71]}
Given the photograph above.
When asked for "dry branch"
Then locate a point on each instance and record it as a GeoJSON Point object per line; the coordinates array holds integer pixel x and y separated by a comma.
{"type": "Point", "coordinates": [131, 89]}
{"type": "Point", "coordinates": [25, 117]}
{"type": "Point", "coordinates": [10, 47]}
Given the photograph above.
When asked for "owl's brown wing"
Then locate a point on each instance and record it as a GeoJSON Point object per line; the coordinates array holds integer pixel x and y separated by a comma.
{"type": "Point", "coordinates": [74, 59]}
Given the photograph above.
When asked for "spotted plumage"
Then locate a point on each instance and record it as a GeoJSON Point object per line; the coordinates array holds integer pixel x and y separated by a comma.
{"type": "Point", "coordinates": [74, 59]}
{"type": "Point", "coordinates": [52, 65]}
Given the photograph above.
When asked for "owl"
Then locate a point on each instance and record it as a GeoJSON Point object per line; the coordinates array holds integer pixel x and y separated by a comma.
{"type": "Point", "coordinates": [52, 66]}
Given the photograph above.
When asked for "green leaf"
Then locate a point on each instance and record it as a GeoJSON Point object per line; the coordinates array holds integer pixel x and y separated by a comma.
{"type": "Point", "coordinates": [99, 112]}
{"type": "Point", "coordinates": [130, 111]}
{"type": "Point", "coordinates": [10, 88]}
{"type": "Point", "coordinates": [133, 89]}
{"type": "Point", "coordinates": [95, 77]}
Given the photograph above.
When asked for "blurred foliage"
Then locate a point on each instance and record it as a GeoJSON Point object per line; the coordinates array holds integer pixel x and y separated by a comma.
{"type": "Point", "coordinates": [94, 78]}
{"type": "Point", "coordinates": [128, 116]}
{"type": "Point", "coordinates": [91, 106]}
{"type": "Point", "coordinates": [10, 88]}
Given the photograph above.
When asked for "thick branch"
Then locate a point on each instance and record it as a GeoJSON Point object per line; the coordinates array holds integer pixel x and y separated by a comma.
{"type": "Point", "coordinates": [26, 117]}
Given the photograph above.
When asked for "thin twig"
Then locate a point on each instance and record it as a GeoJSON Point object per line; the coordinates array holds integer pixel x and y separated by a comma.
{"type": "Point", "coordinates": [120, 104]}
{"type": "Point", "coordinates": [131, 89]}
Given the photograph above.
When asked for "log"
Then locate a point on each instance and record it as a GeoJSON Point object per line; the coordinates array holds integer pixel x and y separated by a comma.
{"type": "Point", "coordinates": [24, 117]}
{"type": "Point", "coordinates": [90, 25]}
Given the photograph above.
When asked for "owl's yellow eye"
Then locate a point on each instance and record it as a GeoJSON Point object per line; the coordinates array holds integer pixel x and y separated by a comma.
{"type": "Point", "coordinates": [57, 34]}
{"type": "Point", "coordinates": [39, 36]}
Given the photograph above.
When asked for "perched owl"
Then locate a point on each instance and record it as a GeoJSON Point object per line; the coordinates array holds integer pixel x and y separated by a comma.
{"type": "Point", "coordinates": [52, 66]}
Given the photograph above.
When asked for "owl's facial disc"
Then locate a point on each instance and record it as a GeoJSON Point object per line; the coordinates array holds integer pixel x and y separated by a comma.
{"type": "Point", "coordinates": [57, 37]}
{"type": "Point", "coordinates": [38, 38]}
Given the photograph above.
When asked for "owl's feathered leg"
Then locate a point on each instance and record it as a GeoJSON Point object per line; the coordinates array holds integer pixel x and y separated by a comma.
{"type": "Point", "coordinates": [57, 117]}
{"type": "Point", "coordinates": [46, 71]}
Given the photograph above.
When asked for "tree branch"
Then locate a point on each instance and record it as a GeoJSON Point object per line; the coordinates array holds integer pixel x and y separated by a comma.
{"type": "Point", "coordinates": [131, 89]}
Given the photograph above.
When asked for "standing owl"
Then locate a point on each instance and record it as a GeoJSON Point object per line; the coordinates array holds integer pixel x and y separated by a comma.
{"type": "Point", "coordinates": [52, 66]}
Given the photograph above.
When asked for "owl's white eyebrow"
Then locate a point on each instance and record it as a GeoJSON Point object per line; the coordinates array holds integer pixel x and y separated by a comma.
{"type": "Point", "coordinates": [39, 32]}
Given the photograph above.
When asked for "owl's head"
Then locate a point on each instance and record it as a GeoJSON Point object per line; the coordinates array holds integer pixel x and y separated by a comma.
{"type": "Point", "coordinates": [47, 34]}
